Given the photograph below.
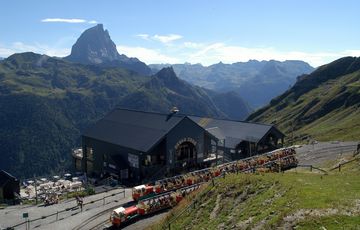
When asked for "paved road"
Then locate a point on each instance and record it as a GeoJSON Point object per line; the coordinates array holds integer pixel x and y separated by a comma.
{"type": "Point", "coordinates": [322, 152]}
{"type": "Point", "coordinates": [13, 215]}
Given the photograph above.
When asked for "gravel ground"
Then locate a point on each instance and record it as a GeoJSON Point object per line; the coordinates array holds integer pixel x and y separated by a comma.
{"type": "Point", "coordinates": [322, 152]}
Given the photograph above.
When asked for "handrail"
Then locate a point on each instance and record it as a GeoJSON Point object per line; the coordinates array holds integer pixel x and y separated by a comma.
{"type": "Point", "coordinates": [341, 164]}
{"type": "Point", "coordinates": [313, 167]}
{"type": "Point", "coordinates": [66, 209]}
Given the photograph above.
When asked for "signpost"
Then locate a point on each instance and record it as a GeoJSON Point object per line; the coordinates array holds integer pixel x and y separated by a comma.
{"type": "Point", "coordinates": [26, 216]}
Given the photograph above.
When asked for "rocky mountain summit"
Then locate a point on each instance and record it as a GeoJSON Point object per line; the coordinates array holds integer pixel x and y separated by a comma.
{"type": "Point", "coordinates": [95, 47]}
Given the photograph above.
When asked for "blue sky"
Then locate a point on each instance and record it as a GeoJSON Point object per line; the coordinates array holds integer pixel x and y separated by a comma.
{"type": "Point", "coordinates": [197, 31]}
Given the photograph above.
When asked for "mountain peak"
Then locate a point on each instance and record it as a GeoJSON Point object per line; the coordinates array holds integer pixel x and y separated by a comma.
{"type": "Point", "coordinates": [167, 75]}
{"type": "Point", "coordinates": [94, 46]}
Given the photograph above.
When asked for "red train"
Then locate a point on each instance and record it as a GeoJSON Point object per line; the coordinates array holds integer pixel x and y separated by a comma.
{"type": "Point", "coordinates": [281, 158]}
{"type": "Point", "coordinates": [151, 205]}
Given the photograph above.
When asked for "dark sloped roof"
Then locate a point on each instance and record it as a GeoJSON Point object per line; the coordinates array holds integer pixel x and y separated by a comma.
{"type": "Point", "coordinates": [5, 177]}
{"type": "Point", "coordinates": [140, 130]}
{"type": "Point", "coordinates": [133, 129]}
{"type": "Point", "coordinates": [233, 131]}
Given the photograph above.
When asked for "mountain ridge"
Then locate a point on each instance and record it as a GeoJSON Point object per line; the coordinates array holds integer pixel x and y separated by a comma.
{"type": "Point", "coordinates": [324, 104]}
{"type": "Point", "coordinates": [255, 81]}
{"type": "Point", "coordinates": [170, 91]}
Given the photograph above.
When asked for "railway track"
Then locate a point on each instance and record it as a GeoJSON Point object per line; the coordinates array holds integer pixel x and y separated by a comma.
{"type": "Point", "coordinates": [92, 222]}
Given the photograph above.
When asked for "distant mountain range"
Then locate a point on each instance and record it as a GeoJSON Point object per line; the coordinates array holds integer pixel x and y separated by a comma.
{"type": "Point", "coordinates": [324, 105]}
{"type": "Point", "coordinates": [257, 82]}
{"type": "Point", "coordinates": [165, 90]}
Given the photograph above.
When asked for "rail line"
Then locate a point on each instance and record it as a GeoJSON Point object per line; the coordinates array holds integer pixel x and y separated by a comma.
{"type": "Point", "coordinates": [85, 224]}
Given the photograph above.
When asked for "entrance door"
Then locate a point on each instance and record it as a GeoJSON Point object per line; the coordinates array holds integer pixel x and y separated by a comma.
{"type": "Point", "coordinates": [186, 152]}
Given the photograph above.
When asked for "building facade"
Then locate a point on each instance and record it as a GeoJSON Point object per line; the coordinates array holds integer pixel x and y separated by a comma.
{"type": "Point", "coordinates": [134, 145]}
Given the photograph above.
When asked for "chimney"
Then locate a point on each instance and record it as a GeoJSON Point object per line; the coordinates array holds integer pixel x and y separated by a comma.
{"type": "Point", "coordinates": [174, 110]}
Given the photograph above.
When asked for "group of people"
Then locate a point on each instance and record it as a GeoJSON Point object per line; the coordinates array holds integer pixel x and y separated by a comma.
{"type": "Point", "coordinates": [51, 198]}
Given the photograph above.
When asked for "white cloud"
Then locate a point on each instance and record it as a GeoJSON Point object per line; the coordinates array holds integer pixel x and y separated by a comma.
{"type": "Point", "coordinates": [217, 52]}
{"type": "Point", "coordinates": [5, 52]}
{"type": "Point", "coordinates": [165, 39]}
{"type": "Point", "coordinates": [20, 47]}
{"type": "Point", "coordinates": [193, 45]}
{"type": "Point", "coordinates": [143, 36]}
{"type": "Point", "coordinates": [92, 22]}
{"type": "Point", "coordinates": [208, 54]}
{"type": "Point", "coordinates": [149, 56]}
{"type": "Point", "coordinates": [69, 20]}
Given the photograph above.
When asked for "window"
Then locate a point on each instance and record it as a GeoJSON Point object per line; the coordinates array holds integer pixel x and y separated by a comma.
{"type": "Point", "coordinates": [89, 167]}
{"type": "Point", "coordinates": [78, 164]}
{"type": "Point", "coordinates": [89, 153]}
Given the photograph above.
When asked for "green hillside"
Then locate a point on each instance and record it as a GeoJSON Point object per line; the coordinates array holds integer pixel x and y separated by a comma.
{"type": "Point", "coordinates": [47, 102]}
{"type": "Point", "coordinates": [324, 105]}
{"type": "Point", "coordinates": [291, 200]}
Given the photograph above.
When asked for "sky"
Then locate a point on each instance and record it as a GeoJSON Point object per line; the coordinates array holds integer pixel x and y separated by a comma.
{"type": "Point", "coordinates": [193, 31]}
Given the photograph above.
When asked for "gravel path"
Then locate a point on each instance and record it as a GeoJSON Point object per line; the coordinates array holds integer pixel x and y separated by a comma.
{"type": "Point", "coordinates": [322, 152]}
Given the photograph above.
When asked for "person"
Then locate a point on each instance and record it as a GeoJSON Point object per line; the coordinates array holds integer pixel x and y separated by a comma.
{"type": "Point", "coordinates": [358, 148]}
{"type": "Point", "coordinates": [79, 201]}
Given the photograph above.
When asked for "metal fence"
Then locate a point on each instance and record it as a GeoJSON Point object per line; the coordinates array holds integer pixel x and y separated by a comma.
{"type": "Point", "coordinates": [28, 222]}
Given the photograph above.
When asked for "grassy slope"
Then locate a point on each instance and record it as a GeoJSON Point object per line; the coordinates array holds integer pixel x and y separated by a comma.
{"type": "Point", "coordinates": [327, 112]}
{"type": "Point", "coordinates": [263, 201]}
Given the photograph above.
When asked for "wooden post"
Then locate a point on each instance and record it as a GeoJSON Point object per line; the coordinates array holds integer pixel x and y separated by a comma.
{"type": "Point", "coordinates": [36, 195]}
{"type": "Point", "coordinates": [279, 164]}
{"type": "Point", "coordinates": [223, 161]}
{"type": "Point", "coordinates": [217, 152]}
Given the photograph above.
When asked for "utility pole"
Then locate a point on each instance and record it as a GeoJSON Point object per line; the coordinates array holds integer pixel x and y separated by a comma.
{"type": "Point", "coordinates": [250, 148]}
{"type": "Point", "coordinates": [36, 195]}
{"type": "Point", "coordinates": [292, 132]}
{"type": "Point", "coordinates": [224, 152]}
{"type": "Point", "coordinates": [217, 152]}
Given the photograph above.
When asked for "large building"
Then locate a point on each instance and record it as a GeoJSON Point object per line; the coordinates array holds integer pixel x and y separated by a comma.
{"type": "Point", "coordinates": [135, 145]}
